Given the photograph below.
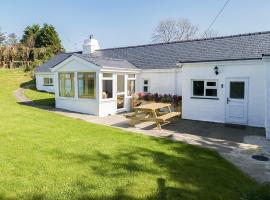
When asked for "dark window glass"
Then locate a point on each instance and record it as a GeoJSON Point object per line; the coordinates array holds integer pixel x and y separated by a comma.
{"type": "Point", "coordinates": [107, 89]}
{"type": "Point", "coordinates": [145, 88]}
{"type": "Point", "coordinates": [145, 82]}
{"type": "Point", "coordinates": [211, 92]}
{"type": "Point", "coordinates": [198, 88]}
{"type": "Point", "coordinates": [211, 83]}
{"type": "Point", "coordinates": [237, 90]}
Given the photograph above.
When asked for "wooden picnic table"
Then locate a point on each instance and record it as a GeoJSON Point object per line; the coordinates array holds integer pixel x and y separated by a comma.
{"type": "Point", "coordinates": [152, 112]}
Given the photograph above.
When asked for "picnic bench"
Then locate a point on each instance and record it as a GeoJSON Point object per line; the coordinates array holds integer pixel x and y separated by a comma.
{"type": "Point", "coordinates": [159, 113]}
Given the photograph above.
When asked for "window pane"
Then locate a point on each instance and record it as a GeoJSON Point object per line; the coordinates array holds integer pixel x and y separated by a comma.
{"type": "Point", "coordinates": [237, 90]}
{"type": "Point", "coordinates": [107, 89]}
{"type": "Point", "coordinates": [46, 81]}
{"type": "Point", "coordinates": [131, 87]}
{"type": "Point", "coordinates": [120, 83]}
{"type": "Point", "coordinates": [86, 85]}
{"type": "Point", "coordinates": [107, 75]}
{"type": "Point", "coordinates": [198, 88]}
{"type": "Point", "coordinates": [131, 76]}
{"type": "Point", "coordinates": [211, 84]}
{"type": "Point", "coordinates": [145, 89]}
{"type": "Point", "coordinates": [211, 92]}
{"type": "Point", "coordinates": [145, 82]}
{"type": "Point", "coordinates": [51, 81]}
{"type": "Point", "coordinates": [66, 84]}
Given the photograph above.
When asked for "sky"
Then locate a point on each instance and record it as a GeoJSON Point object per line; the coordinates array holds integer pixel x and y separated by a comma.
{"type": "Point", "coordinates": [129, 22]}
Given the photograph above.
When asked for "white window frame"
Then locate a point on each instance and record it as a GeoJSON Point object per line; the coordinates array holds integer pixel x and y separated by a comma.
{"type": "Point", "coordinates": [146, 85]}
{"type": "Point", "coordinates": [131, 79]}
{"type": "Point", "coordinates": [107, 78]}
{"type": "Point", "coordinates": [205, 88]}
{"type": "Point", "coordinates": [50, 81]}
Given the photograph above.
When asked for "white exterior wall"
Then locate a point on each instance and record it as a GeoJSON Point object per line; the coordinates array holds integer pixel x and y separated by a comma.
{"type": "Point", "coordinates": [214, 110]}
{"type": "Point", "coordinates": [100, 107]}
{"type": "Point", "coordinates": [76, 104]}
{"type": "Point", "coordinates": [267, 96]}
{"type": "Point", "coordinates": [40, 82]}
{"type": "Point", "coordinates": [161, 81]}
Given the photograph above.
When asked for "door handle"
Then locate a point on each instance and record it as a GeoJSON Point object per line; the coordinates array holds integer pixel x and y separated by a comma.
{"type": "Point", "coordinates": [228, 100]}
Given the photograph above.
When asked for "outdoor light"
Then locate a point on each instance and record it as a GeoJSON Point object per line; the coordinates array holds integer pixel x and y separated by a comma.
{"type": "Point", "coordinates": [216, 70]}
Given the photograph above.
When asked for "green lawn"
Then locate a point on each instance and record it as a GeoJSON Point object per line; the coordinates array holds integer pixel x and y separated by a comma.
{"type": "Point", "coordinates": [47, 156]}
{"type": "Point", "coordinates": [41, 98]}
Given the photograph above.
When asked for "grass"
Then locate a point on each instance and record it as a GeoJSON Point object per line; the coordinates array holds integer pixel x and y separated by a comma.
{"type": "Point", "coordinates": [39, 97]}
{"type": "Point", "coordinates": [47, 156]}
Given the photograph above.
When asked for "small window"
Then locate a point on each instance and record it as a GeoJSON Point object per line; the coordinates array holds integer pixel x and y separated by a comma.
{"type": "Point", "coordinates": [204, 88]}
{"type": "Point", "coordinates": [131, 84]}
{"type": "Point", "coordinates": [66, 81]}
{"type": "Point", "coordinates": [198, 88]}
{"type": "Point", "coordinates": [131, 76]}
{"type": "Point", "coordinates": [146, 86]}
{"type": "Point", "coordinates": [107, 89]}
{"type": "Point", "coordinates": [210, 83]}
{"type": "Point", "coordinates": [107, 75]}
{"type": "Point", "coordinates": [48, 81]}
{"type": "Point", "coordinates": [237, 90]}
{"type": "Point", "coordinates": [87, 85]}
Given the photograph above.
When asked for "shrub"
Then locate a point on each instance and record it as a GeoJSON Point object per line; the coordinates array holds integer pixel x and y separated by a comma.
{"type": "Point", "coordinates": [165, 98]}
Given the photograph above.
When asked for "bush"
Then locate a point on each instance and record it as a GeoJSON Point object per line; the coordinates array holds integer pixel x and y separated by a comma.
{"type": "Point", "coordinates": [260, 193]}
{"type": "Point", "coordinates": [165, 98]}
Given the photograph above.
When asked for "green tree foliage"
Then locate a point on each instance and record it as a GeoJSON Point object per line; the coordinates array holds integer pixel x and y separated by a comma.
{"type": "Point", "coordinates": [37, 45]}
{"type": "Point", "coordinates": [48, 37]}
{"type": "Point", "coordinates": [30, 34]}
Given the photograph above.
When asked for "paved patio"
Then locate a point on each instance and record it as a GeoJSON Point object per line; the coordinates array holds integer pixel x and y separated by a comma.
{"type": "Point", "coordinates": [236, 144]}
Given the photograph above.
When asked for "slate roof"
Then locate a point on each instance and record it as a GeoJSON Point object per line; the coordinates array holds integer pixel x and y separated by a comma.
{"type": "Point", "coordinates": [52, 62]}
{"type": "Point", "coordinates": [167, 55]}
{"type": "Point", "coordinates": [107, 62]}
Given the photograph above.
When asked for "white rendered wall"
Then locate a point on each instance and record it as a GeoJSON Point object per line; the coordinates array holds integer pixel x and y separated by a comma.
{"type": "Point", "coordinates": [40, 82]}
{"type": "Point", "coordinates": [214, 110]}
{"type": "Point", "coordinates": [267, 96]}
{"type": "Point", "coordinates": [76, 104]}
{"type": "Point", "coordinates": [161, 81]}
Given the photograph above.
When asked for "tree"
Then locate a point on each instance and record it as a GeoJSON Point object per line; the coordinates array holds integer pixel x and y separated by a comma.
{"type": "Point", "coordinates": [174, 30]}
{"type": "Point", "coordinates": [209, 33]}
{"type": "Point", "coordinates": [12, 39]}
{"type": "Point", "coordinates": [48, 37]}
{"type": "Point", "coordinates": [2, 37]}
{"type": "Point", "coordinates": [30, 34]}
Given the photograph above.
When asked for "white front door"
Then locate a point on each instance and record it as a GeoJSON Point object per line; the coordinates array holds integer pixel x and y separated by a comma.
{"type": "Point", "coordinates": [237, 101]}
{"type": "Point", "coordinates": [120, 94]}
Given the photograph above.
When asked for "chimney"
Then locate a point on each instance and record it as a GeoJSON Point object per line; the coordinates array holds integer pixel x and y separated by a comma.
{"type": "Point", "coordinates": [90, 45]}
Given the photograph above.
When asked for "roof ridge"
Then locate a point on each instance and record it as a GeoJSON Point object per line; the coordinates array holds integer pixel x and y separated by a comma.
{"type": "Point", "coordinates": [191, 40]}
{"type": "Point", "coordinates": [103, 57]}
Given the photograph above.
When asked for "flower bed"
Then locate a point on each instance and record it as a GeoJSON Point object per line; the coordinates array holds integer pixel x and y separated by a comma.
{"type": "Point", "coordinates": [174, 100]}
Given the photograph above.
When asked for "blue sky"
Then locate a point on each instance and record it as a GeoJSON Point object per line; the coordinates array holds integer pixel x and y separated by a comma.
{"type": "Point", "coordinates": [129, 22]}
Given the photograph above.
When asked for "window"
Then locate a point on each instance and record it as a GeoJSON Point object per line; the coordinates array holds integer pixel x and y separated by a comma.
{"type": "Point", "coordinates": [87, 85]}
{"type": "Point", "coordinates": [131, 84]}
{"type": "Point", "coordinates": [204, 88]}
{"type": "Point", "coordinates": [237, 90]}
{"type": "Point", "coordinates": [107, 86]}
{"type": "Point", "coordinates": [66, 81]}
{"type": "Point", "coordinates": [120, 83]}
{"type": "Point", "coordinates": [146, 86]}
{"type": "Point", "coordinates": [48, 81]}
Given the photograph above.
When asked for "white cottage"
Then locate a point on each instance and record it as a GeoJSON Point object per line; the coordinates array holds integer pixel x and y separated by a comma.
{"type": "Point", "coordinates": [221, 79]}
